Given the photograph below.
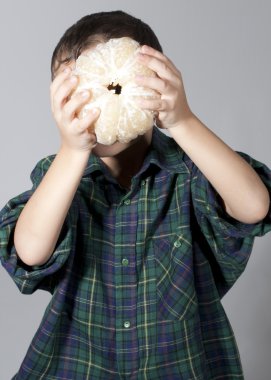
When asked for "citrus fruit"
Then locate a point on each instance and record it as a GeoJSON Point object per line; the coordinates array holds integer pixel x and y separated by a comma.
{"type": "Point", "coordinates": [108, 71]}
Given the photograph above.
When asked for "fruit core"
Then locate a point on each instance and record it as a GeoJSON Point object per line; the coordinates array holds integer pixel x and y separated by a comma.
{"type": "Point", "coordinates": [116, 88]}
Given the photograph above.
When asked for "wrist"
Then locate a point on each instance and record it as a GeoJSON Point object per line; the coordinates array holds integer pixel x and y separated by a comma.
{"type": "Point", "coordinates": [72, 155]}
{"type": "Point", "coordinates": [184, 124]}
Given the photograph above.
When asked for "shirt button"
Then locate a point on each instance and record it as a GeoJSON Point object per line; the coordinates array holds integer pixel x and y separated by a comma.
{"type": "Point", "coordinates": [127, 324]}
{"type": "Point", "coordinates": [127, 202]}
{"type": "Point", "coordinates": [125, 262]}
{"type": "Point", "coordinates": [177, 244]}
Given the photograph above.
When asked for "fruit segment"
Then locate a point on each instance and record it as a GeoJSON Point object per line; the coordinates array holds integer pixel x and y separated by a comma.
{"type": "Point", "coordinates": [108, 72]}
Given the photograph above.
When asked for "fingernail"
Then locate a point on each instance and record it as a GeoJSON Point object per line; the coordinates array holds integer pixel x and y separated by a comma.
{"type": "Point", "coordinates": [140, 55]}
{"type": "Point", "coordinates": [85, 94]}
{"type": "Point", "coordinates": [95, 111]}
{"type": "Point", "coordinates": [139, 102]}
{"type": "Point", "coordinates": [139, 77]}
{"type": "Point", "coordinates": [73, 79]}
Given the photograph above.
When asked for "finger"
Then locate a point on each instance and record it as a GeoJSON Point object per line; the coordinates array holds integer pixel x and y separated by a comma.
{"type": "Point", "coordinates": [74, 104]}
{"type": "Point", "coordinates": [64, 74]}
{"type": "Point", "coordinates": [89, 120]}
{"type": "Point", "coordinates": [63, 92]}
{"type": "Point", "coordinates": [152, 105]}
{"type": "Point", "coordinates": [160, 85]}
{"type": "Point", "coordinates": [145, 49]}
{"type": "Point", "coordinates": [87, 132]}
{"type": "Point", "coordinates": [160, 67]}
{"type": "Point", "coordinates": [148, 50]}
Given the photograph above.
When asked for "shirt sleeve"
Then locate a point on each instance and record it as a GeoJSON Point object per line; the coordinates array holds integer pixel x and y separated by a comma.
{"type": "Point", "coordinates": [30, 278]}
{"type": "Point", "coordinates": [230, 240]}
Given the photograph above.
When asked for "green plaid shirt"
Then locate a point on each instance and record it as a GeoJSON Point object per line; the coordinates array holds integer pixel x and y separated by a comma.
{"type": "Point", "coordinates": [137, 276]}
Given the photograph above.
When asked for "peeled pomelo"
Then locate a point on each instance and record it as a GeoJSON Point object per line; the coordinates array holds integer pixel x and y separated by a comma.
{"type": "Point", "coordinates": [108, 71]}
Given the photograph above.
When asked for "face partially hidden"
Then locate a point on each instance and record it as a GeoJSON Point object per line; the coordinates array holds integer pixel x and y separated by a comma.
{"type": "Point", "coordinates": [116, 148]}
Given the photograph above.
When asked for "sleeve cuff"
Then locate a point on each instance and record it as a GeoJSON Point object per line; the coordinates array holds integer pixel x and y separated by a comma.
{"type": "Point", "coordinates": [208, 204]}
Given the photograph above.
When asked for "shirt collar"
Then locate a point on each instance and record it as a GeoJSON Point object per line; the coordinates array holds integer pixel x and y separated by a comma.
{"type": "Point", "coordinates": [164, 152]}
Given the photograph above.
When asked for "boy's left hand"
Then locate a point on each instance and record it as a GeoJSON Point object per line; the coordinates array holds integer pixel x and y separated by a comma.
{"type": "Point", "coordinates": [172, 107]}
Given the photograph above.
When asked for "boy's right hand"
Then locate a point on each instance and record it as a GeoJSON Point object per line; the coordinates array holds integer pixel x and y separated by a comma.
{"type": "Point", "coordinates": [76, 134]}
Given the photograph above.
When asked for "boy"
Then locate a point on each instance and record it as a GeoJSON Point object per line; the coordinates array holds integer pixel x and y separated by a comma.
{"type": "Point", "coordinates": [136, 242]}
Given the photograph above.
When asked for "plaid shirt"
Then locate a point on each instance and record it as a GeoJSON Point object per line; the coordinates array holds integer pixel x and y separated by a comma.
{"type": "Point", "coordinates": [137, 276]}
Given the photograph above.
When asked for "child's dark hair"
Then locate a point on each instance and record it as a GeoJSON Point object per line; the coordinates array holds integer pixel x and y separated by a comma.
{"type": "Point", "coordinates": [100, 27]}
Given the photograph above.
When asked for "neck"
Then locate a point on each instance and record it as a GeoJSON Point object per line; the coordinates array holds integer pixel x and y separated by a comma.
{"type": "Point", "coordinates": [124, 165]}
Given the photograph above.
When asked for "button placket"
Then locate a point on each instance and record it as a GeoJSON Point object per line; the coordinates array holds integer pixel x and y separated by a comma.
{"type": "Point", "coordinates": [125, 278]}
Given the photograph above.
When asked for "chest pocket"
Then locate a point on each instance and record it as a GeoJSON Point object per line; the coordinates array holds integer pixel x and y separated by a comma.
{"type": "Point", "coordinates": [175, 289]}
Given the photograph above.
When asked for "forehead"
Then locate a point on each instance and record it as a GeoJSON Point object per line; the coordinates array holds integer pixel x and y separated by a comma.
{"type": "Point", "coordinates": [71, 64]}
{"type": "Point", "coordinates": [90, 43]}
